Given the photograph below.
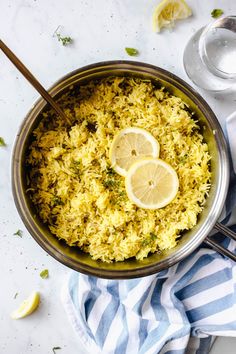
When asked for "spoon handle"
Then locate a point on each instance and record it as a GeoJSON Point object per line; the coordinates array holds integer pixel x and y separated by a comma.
{"type": "Point", "coordinates": [30, 77]}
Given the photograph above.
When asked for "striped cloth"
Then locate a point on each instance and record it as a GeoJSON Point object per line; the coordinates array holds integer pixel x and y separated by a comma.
{"type": "Point", "coordinates": [176, 311]}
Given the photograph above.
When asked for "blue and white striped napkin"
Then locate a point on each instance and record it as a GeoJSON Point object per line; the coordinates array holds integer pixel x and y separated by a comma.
{"type": "Point", "coordinates": [176, 311]}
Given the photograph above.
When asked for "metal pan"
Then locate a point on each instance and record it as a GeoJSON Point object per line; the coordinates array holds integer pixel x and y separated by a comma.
{"type": "Point", "coordinates": [190, 240]}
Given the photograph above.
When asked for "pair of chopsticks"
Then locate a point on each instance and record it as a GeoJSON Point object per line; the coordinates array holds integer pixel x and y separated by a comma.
{"type": "Point", "coordinates": [34, 82]}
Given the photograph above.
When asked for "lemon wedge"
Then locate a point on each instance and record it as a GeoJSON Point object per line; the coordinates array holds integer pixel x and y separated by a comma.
{"type": "Point", "coordinates": [130, 145]}
{"type": "Point", "coordinates": [167, 12]}
{"type": "Point", "coordinates": [27, 307]}
{"type": "Point", "coordinates": [151, 183]}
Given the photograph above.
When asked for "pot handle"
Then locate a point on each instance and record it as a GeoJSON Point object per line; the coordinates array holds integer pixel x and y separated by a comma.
{"type": "Point", "coordinates": [227, 232]}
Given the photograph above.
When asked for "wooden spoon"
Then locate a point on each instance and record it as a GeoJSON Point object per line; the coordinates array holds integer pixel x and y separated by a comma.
{"type": "Point", "coordinates": [34, 82]}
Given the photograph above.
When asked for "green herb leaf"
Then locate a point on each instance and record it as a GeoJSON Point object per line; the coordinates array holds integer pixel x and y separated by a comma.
{"type": "Point", "coordinates": [148, 241]}
{"type": "Point", "coordinates": [55, 348]}
{"type": "Point", "coordinates": [44, 274]}
{"type": "Point", "coordinates": [57, 201]}
{"type": "Point", "coordinates": [145, 242]}
{"type": "Point", "coordinates": [216, 13]}
{"type": "Point", "coordinates": [109, 183]}
{"type": "Point", "coordinates": [2, 142]}
{"type": "Point", "coordinates": [75, 166]}
{"type": "Point", "coordinates": [183, 159]}
{"type": "Point", "coordinates": [122, 195]}
{"type": "Point", "coordinates": [64, 40]}
{"type": "Point", "coordinates": [152, 236]}
{"type": "Point", "coordinates": [18, 233]}
{"type": "Point", "coordinates": [16, 294]}
{"type": "Point", "coordinates": [110, 171]}
{"type": "Point", "coordinates": [132, 51]}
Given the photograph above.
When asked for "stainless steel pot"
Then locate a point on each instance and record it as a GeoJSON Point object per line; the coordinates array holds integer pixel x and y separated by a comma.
{"type": "Point", "coordinates": [190, 240]}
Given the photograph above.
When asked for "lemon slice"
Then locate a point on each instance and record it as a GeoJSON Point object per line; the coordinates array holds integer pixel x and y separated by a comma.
{"type": "Point", "coordinates": [151, 183]}
{"type": "Point", "coordinates": [167, 12]}
{"type": "Point", "coordinates": [130, 145]}
{"type": "Point", "coordinates": [27, 307]}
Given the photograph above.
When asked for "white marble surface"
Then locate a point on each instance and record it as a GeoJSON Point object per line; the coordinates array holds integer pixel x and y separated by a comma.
{"type": "Point", "coordinates": [101, 29]}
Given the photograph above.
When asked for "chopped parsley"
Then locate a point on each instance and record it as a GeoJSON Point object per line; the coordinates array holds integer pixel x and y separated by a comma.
{"type": "Point", "coordinates": [57, 201]}
{"type": "Point", "coordinates": [152, 236]}
{"type": "Point", "coordinates": [64, 40]}
{"type": "Point", "coordinates": [18, 233]}
{"type": "Point", "coordinates": [148, 241]}
{"type": "Point", "coordinates": [75, 166]}
{"type": "Point", "coordinates": [2, 142]}
{"type": "Point", "coordinates": [122, 195]}
{"type": "Point", "coordinates": [216, 13]}
{"type": "Point", "coordinates": [44, 274]}
{"type": "Point", "coordinates": [55, 348]}
{"type": "Point", "coordinates": [183, 159]}
{"type": "Point", "coordinates": [132, 51]}
{"type": "Point", "coordinates": [145, 242]}
{"type": "Point", "coordinates": [110, 183]}
{"type": "Point", "coordinates": [110, 180]}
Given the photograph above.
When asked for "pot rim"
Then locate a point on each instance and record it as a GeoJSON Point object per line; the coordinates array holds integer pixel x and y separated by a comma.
{"type": "Point", "coordinates": [181, 253]}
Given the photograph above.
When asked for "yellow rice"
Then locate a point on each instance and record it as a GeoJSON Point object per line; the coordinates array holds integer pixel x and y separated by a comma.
{"type": "Point", "coordinates": [80, 197]}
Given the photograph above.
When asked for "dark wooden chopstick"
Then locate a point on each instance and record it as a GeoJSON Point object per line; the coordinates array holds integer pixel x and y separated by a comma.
{"type": "Point", "coordinates": [34, 82]}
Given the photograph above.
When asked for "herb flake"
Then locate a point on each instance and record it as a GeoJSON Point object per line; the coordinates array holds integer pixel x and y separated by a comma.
{"type": "Point", "coordinates": [148, 241]}
{"type": "Point", "coordinates": [145, 242]}
{"type": "Point", "coordinates": [44, 274]}
{"type": "Point", "coordinates": [75, 166]}
{"type": "Point", "coordinates": [216, 13]}
{"type": "Point", "coordinates": [16, 294]}
{"type": "Point", "coordinates": [57, 201]}
{"type": "Point", "coordinates": [55, 348]}
{"type": "Point", "coordinates": [63, 40]}
{"type": "Point", "coordinates": [152, 236]}
{"type": "Point", "coordinates": [109, 183]}
{"type": "Point", "coordinates": [110, 171]}
{"type": "Point", "coordinates": [132, 51]}
{"type": "Point", "coordinates": [18, 233]}
{"type": "Point", "coordinates": [183, 159]}
{"type": "Point", "coordinates": [2, 142]}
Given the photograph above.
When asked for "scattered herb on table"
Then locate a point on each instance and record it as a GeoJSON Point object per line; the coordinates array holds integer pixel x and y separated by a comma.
{"type": "Point", "coordinates": [16, 294]}
{"type": "Point", "coordinates": [18, 233]}
{"type": "Point", "coordinates": [64, 40]}
{"type": "Point", "coordinates": [216, 13]}
{"type": "Point", "coordinates": [132, 51]}
{"type": "Point", "coordinates": [2, 142]}
{"type": "Point", "coordinates": [44, 274]}
{"type": "Point", "coordinates": [55, 348]}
